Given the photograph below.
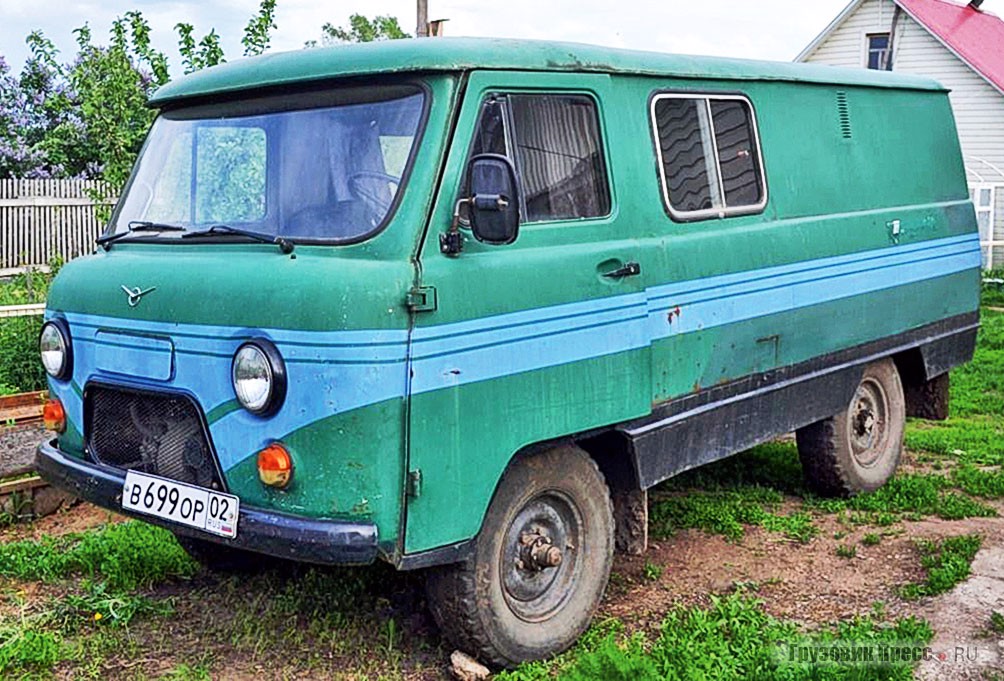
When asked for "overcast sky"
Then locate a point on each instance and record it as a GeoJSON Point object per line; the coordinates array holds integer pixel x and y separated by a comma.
{"type": "Point", "coordinates": [757, 29]}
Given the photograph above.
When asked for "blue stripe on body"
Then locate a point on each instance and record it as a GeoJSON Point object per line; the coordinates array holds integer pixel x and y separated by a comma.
{"type": "Point", "coordinates": [337, 371]}
{"type": "Point", "coordinates": [732, 298]}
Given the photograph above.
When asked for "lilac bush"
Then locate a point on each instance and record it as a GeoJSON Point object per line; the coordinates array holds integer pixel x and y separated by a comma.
{"type": "Point", "coordinates": [87, 118]}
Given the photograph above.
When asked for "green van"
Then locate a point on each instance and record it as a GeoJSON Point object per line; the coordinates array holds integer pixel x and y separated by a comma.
{"type": "Point", "coordinates": [455, 304]}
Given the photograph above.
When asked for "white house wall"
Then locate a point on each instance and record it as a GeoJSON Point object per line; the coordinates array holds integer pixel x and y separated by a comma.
{"type": "Point", "coordinates": [846, 45]}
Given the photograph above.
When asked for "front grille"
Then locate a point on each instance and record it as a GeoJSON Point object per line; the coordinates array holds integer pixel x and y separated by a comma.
{"type": "Point", "coordinates": [156, 433]}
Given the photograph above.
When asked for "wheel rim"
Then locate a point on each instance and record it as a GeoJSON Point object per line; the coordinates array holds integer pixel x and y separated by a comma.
{"type": "Point", "coordinates": [868, 420]}
{"type": "Point", "coordinates": [539, 561]}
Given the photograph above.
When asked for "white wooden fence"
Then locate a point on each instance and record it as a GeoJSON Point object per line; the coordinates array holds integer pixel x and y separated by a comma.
{"type": "Point", "coordinates": [28, 310]}
{"type": "Point", "coordinates": [44, 219]}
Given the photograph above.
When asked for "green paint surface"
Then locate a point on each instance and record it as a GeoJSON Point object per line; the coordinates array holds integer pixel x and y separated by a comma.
{"type": "Point", "coordinates": [829, 194]}
{"type": "Point", "coordinates": [457, 54]}
{"type": "Point", "coordinates": [348, 466]}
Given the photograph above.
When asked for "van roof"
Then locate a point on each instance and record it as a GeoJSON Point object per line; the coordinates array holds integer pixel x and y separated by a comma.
{"type": "Point", "coordinates": [461, 54]}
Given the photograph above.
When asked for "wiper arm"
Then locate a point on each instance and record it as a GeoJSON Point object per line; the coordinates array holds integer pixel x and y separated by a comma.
{"type": "Point", "coordinates": [284, 245]}
{"type": "Point", "coordinates": [137, 226]}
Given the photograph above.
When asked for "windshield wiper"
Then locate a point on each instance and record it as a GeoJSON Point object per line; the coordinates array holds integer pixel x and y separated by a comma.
{"type": "Point", "coordinates": [137, 226]}
{"type": "Point", "coordinates": [284, 245]}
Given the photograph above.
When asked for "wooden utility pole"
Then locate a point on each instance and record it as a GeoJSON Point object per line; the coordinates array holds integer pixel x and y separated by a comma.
{"type": "Point", "coordinates": [422, 30]}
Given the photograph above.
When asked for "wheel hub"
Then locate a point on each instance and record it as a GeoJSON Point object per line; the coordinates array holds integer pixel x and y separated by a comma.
{"type": "Point", "coordinates": [864, 420]}
{"type": "Point", "coordinates": [868, 423]}
{"type": "Point", "coordinates": [539, 560]}
{"type": "Point", "coordinates": [537, 552]}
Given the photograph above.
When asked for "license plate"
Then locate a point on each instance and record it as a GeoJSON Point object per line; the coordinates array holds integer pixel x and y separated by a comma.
{"type": "Point", "coordinates": [181, 503]}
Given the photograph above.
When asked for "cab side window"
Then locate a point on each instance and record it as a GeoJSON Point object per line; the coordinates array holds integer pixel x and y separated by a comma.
{"type": "Point", "coordinates": [709, 155]}
{"type": "Point", "coordinates": [554, 142]}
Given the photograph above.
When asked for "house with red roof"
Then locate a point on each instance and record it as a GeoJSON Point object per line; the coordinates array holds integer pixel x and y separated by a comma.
{"type": "Point", "coordinates": [959, 45]}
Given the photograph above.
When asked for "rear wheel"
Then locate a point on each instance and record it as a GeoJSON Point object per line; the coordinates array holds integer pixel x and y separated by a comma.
{"type": "Point", "coordinates": [540, 563]}
{"type": "Point", "coordinates": [858, 449]}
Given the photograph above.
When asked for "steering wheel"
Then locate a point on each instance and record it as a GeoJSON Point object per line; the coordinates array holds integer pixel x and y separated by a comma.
{"type": "Point", "coordinates": [377, 198]}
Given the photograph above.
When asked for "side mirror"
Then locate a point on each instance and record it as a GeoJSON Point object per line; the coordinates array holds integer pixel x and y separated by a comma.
{"type": "Point", "coordinates": [493, 208]}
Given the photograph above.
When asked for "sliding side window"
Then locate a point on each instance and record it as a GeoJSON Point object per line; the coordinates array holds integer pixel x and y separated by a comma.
{"type": "Point", "coordinates": [554, 142]}
{"type": "Point", "coordinates": [709, 156]}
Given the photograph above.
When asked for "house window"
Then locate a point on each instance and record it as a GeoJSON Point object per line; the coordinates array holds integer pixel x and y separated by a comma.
{"type": "Point", "coordinates": [554, 142]}
{"type": "Point", "coordinates": [709, 156]}
{"type": "Point", "coordinates": [983, 201]}
{"type": "Point", "coordinates": [879, 58]}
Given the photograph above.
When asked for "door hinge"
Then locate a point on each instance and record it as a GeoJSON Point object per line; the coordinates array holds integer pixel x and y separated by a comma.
{"type": "Point", "coordinates": [414, 485]}
{"type": "Point", "coordinates": [422, 299]}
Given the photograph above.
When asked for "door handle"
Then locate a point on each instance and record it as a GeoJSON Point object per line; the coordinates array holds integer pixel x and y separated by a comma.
{"type": "Point", "coordinates": [630, 269]}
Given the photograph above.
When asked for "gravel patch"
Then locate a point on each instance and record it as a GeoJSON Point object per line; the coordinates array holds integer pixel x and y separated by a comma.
{"type": "Point", "coordinates": [17, 448]}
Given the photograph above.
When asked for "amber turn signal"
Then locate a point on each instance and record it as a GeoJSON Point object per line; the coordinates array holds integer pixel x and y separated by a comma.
{"type": "Point", "coordinates": [275, 467]}
{"type": "Point", "coordinates": [54, 416]}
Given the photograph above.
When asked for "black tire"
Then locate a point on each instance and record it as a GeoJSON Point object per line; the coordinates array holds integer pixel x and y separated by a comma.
{"type": "Point", "coordinates": [858, 449]}
{"type": "Point", "coordinates": [508, 603]}
{"type": "Point", "coordinates": [219, 558]}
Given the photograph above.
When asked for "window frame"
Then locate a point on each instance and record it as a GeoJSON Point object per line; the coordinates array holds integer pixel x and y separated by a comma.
{"type": "Point", "coordinates": [988, 245]}
{"type": "Point", "coordinates": [509, 131]}
{"type": "Point", "coordinates": [868, 51]}
{"type": "Point", "coordinates": [709, 213]}
{"type": "Point", "coordinates": [274, 100]}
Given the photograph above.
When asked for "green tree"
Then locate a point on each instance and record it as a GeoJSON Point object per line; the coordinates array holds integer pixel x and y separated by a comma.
{"type": "Point", "coordinates": [361, 30]}
{"type": "Point", "coordinates": [258, 32]}
{"type": "Point", "coordinates": [195, 56]}
{"type": "Point", "coordinates": [88, 118]}
{"type": "Point", "coordinates": [112, 85]}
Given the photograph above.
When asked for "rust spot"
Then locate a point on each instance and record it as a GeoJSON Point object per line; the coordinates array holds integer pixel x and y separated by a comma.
{"type": "Point", "coordinates": [696, 387]}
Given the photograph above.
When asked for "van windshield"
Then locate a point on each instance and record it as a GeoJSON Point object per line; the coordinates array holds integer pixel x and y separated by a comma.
{"type": "Point", "coordinates": [323, 167]}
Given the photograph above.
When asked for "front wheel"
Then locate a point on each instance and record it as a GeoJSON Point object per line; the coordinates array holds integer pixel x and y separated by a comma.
{"type": "Point", "coordinates": [858, 449]}
{"type": "Point", "coordinates": [539, 566]}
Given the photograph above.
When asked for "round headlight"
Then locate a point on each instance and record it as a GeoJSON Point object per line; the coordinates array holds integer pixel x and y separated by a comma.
{"type": "Point", "coordinates": [54, 346]}
{"type": "Point", "coordinates": [259, 377]}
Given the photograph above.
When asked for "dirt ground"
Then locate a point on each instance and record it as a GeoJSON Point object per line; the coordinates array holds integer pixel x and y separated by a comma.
{"type": "Point", "coordinates": [808, 583]}
{"type": "Point", "coordinates": [812, 585]}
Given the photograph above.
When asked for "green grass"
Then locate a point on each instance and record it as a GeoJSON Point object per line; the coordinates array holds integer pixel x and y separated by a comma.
{"type": "Point", "coordinates": [908, 496]}
{"type": "Point", "coordinates": [186, 672]}
{"type": "Point", "coordinates": [727, 512]}
{"type": "Point", "coordinates": [652, 572]}
{"type": "Point", "coordinates": [28, 651]}
{"type": "Point", "coordinates": [747, 489]}
{"type": "Point", "coordinates": [847, 550]}
{"type": "Point", "coordinates": [25, 288]}
{"type": "Point", "coordinates": [125, 555]}
{"type": "Point", "coordinates": [732, 639]}
{"type": "Point", "coordinates": [947, 563]}
{"type": "Point", "coordinates": [969, 439]}
{"type": "Point", "coordinates": [20, 368]}
{"type": "Point", "coordinates": [993, 294]}
{"type": "Point", "coordinates": [81, 625]}
{"type": "Point", "coordinates": [997, 622]}
{"type": "Point", "coordinates": [99, 604]}
{"type": "Point", "coordinates": [725, 497]}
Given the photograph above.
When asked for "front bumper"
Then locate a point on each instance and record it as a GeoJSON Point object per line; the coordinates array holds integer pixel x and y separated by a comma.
{"type": "Point", "coordinates": [326, 542]}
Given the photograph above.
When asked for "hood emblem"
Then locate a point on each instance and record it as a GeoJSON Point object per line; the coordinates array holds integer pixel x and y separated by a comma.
{"type": "Point", "coordinates": [135, 294]}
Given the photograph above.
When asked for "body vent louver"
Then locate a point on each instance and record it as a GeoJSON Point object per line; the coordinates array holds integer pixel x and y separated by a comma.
{"type": "Point", "coordinates": [844, 114]}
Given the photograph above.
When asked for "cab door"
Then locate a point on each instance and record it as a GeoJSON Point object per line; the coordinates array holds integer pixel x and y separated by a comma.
{"type": "Point", "coordinates": [541, 338]}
